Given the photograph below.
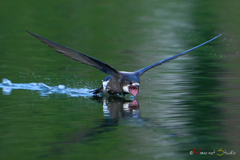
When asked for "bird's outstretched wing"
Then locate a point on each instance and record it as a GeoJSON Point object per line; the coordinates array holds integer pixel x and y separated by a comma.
{"type": "Point", "coordinates": [85, 59]}
{"type": "Point", "coordinates": [141, 71]}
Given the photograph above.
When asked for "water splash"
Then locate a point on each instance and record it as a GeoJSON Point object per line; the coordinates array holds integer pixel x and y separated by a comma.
{"type": "Point", "coordinates": [7, 87]}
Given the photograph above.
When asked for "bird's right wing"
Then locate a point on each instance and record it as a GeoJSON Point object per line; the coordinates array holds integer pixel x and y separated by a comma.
{"type": "Point", "coordinates": [85, 59]}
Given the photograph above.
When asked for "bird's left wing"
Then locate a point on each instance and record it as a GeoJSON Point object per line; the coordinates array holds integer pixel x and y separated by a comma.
{"type": "Point", "coordinates": [141, 71]}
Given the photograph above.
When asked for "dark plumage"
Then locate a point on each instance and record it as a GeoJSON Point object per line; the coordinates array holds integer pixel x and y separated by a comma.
{"type": "Point", "coordinates": [118, 82]}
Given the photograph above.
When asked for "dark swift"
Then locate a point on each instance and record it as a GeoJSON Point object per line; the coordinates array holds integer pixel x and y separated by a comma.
{"type": "Point", "coordinates": [118, 82]}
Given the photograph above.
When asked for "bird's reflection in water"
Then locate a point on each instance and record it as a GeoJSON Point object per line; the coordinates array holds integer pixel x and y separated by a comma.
{"type": "Point", "coordinates": [115, 109]}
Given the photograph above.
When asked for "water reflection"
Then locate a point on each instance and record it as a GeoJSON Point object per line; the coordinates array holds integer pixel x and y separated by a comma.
{"type": "Point", "coordinates": [115, 109]}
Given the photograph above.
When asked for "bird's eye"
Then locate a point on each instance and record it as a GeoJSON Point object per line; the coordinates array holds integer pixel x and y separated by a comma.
{"type": "Point", "coordinates": [129, 82]}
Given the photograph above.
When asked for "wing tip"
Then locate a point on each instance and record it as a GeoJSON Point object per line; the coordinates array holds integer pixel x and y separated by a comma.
{"type": "Point", "coordinates": [33, 34]}
{"type": "Point", "coordinates": [30, 32]}
{"type": "Point", "coordinates": [218, 36]}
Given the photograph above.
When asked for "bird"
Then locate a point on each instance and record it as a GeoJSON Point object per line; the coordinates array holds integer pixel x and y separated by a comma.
{"type": "Point", "coordinates": [117, 82]}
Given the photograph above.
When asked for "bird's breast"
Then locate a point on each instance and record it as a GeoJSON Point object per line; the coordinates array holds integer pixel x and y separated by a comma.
{"type": "Point", "coordinates": [105, 84]}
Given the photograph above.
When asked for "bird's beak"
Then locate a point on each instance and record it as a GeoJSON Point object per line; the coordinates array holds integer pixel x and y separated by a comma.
{"type": "Point", "coordinates": [134, 89]}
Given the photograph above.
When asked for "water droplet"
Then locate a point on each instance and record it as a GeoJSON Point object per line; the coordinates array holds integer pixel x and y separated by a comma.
{"type": "Point", "coordinates": [61, 86]}
{"type": "Point", "coordinates": [6, 82]}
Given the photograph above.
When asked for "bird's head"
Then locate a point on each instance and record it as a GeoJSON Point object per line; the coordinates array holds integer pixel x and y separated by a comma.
{"type": "Point", "coordinates": [131, 84]}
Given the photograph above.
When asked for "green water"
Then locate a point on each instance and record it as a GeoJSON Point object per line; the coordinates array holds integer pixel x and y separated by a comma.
{"type": "Point", "coordinates": [191, 102]}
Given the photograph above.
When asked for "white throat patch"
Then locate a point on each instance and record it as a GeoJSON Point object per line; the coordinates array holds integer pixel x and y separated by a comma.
{"type": "Point", "coordinates": [125, 88]}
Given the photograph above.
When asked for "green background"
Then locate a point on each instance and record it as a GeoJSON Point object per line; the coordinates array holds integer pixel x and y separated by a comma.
{"type": "Point", "coordinates": [191, 102]}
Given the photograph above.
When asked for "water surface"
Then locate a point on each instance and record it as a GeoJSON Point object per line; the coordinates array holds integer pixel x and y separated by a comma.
{"type": "Point", "coordinates": [191, 102]}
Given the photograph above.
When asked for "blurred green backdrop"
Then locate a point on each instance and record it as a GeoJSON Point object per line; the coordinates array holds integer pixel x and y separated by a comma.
{"type": "Point", "coordinates": [191, 102]}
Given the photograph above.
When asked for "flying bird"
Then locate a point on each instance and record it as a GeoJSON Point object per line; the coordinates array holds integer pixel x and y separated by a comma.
{"type": "Point", "coordinates": [117, 82]}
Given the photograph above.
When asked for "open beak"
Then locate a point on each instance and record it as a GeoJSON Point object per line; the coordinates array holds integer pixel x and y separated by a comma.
{"type": "Point", "coordinates": [134, 89]}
